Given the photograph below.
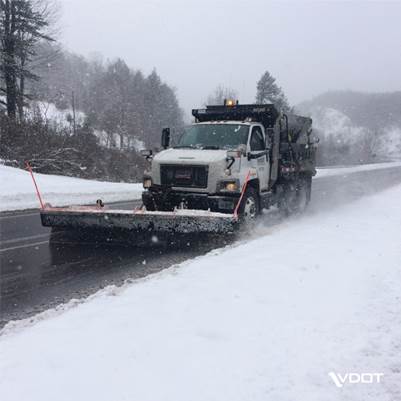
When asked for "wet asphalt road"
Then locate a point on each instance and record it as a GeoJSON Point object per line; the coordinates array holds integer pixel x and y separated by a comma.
{"type": "Point", "coordinates": [39, 271]}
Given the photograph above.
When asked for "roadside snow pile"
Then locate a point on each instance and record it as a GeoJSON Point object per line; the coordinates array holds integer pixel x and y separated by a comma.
{"type": "Point", "coordinates": [265, 320]}
{"type": "Point", "coordinates": [18, 191]}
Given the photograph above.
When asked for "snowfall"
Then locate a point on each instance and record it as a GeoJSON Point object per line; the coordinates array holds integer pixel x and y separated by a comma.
{"type": "Point", "coordinates": [266, 318]}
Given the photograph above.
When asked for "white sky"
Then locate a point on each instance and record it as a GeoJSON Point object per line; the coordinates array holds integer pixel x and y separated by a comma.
{"type": "Point", "coordinates": [309, 47]}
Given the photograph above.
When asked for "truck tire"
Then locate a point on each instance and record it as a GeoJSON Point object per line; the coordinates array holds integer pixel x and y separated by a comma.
{"type": "Point", "coordinates": [150, 207]}
{"type": "Point", "coordinates": [148, 201]}
{"type": "Point", "coordinates": [250, 206]}
{"type": "Point", "coordinates": [302, 197]}
{"type": "Point", "coordinates": [308, 180]}
{"type": "Point", "coordinates": [296, 197]}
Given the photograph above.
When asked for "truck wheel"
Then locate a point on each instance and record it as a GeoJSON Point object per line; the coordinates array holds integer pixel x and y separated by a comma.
{"type": "Point", "coordinates": [304, 194]}
{"type": "Point", "coordinates": [150, 207]}
{"type": "Point", "coordinates": [148, 201]}
{"type": "Point", "coordinates": [308, 180]}
{"type": "Point", "coordinates": [302, 197]}
{"type": "Point", "coordinates": [296, 196]}
{"type": "Point", "coordinates": [250, 206]}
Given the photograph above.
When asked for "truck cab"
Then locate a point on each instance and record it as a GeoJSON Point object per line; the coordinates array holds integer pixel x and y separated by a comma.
{"type": "Point", "coordinates": [207, 167]}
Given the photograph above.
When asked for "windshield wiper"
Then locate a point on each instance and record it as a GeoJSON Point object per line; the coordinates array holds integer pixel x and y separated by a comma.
{"type": "Point", "coordinates": [186, 147]}
{"type": "Point", "coordinates": [206, 147]}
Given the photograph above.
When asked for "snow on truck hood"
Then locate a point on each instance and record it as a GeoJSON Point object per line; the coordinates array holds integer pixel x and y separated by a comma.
{"type": "Point", "coordinates": [190, 156]}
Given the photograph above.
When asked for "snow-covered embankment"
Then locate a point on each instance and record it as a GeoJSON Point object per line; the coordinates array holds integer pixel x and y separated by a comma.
{"type": "Point", "coordinates": [264, 320]}
{"type": "Point", "coordinates": [18, 191]}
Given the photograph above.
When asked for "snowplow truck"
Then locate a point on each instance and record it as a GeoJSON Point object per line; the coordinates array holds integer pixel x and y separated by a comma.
{"type": "Point", "coordinates": [252, 152]}
{"type": "Point", "coordinates": [231, 163]}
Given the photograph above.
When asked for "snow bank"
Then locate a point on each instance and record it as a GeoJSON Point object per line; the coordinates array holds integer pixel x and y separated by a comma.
{"type": "Point", "coordinates": [18, 191]}
{"type": "Point", "coordinates": [265, 320]}
{"type": "Point", "coordinates": [332, 171]}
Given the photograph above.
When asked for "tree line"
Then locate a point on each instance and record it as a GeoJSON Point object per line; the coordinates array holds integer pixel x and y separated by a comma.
{"type": "Point", "coordinates": [118, 101]}
{"type": "Point", "coordinates": [122, 108]}
{"type": "Point", "coordinates": [267, 91]}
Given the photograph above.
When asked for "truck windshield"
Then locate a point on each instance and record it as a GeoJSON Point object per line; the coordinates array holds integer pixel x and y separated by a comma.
{"type": "Point", "coordinates": [214, 136]}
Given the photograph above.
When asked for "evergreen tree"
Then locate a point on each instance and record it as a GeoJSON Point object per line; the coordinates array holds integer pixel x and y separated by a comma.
{"type": "Point", "coordinates": [120, 103]}
{"type": "Point", "coordinates": [269, 92]}
{"type": "Point", "coordinates": [23, 23]}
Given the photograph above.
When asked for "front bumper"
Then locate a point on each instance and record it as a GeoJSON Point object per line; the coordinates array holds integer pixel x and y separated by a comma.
{"type": "Point", "coordinates": [168, 199]}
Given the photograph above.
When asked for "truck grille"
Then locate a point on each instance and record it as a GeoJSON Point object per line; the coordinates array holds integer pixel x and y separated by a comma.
{"type": "Point", "coordinates": [184, 176]}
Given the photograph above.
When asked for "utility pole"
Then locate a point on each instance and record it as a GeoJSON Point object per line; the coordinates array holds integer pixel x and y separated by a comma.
{"type": "Point", "coordinates": [74, 123]}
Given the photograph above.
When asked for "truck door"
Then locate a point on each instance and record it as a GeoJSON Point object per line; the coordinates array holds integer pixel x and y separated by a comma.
{"type": "Point", "coordinates": [258, 156]}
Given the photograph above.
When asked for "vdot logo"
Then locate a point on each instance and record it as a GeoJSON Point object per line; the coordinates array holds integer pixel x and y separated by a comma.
{"type": "Point", "coordinates": [355, 378]}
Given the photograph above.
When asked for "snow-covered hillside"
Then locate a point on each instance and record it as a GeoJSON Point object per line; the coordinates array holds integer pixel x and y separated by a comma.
{"type": "Point", "coordinates": [54, 116]}
{"type": "Point", "coordinates": [58, 118]}
{"type": "Point", "coordinates": [390, 143]}
{"type": "Point", "coordinates": [18, 191]}
{"type": "Point", "coordinates": [114, 141]}
{"type": "Point", "coordinates": [335, 125]}
{"type": "Point", "coordinates": [268, 319]}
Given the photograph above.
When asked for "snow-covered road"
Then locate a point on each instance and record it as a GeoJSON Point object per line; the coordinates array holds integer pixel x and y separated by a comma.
{"type": "Point", "coordinates": [266, 319]}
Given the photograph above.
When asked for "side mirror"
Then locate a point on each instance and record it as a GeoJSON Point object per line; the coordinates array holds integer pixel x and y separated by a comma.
{"type": "Point", "coordinates": [232, 154]}
{"type": "Point", "coordinates": [146, 153]}
{"type": "Point", "coordinates": [242, 149]}
{"type": "Point", "coordinates": [165, 138]}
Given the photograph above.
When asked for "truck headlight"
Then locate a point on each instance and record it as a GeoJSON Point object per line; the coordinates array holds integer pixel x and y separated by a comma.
{"type": "Point", "coordinates": [147, 182]}
{"type": "Point", "coordinates": [229, 186]}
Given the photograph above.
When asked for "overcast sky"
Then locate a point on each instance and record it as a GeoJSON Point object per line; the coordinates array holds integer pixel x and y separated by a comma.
{"type": "Point", "coordinates": [309, 47]}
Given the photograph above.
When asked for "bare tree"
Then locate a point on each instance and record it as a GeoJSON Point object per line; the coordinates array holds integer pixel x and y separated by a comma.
{"type": "Point", "coordinates": [220, 94]}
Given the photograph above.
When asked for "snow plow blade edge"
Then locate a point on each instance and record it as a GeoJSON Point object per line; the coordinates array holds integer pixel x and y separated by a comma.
{"type": "Point", "coordinates": [185, 221]}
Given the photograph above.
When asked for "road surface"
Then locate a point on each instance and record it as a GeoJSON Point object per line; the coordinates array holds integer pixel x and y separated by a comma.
{"type": "Point", "coordinates": [37, 274]}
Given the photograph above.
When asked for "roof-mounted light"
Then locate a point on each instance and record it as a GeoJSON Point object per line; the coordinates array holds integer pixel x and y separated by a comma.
{"type": "Point", "coordinates": [230, 102]}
